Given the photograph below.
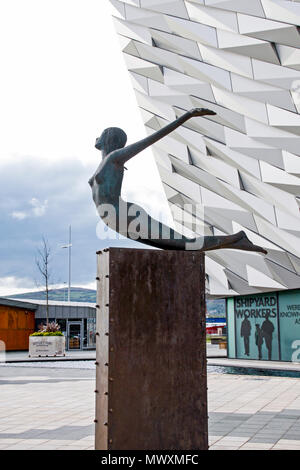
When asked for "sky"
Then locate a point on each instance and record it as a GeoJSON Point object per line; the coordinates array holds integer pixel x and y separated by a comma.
{"type": "Point", "coordinates": [63, 80]}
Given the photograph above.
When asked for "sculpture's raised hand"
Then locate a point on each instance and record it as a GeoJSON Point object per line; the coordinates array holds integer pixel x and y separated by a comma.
{"type": "Point", "coordinates": [201, 112]}
{"type": "Point", "coordinates": [122, 155]}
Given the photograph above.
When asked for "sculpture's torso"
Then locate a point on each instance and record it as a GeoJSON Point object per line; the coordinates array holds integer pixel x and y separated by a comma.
{"type": "Point", "coordinates": [106, 183]}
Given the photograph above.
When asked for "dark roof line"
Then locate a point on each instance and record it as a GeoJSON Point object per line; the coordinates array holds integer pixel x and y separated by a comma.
{"type": "Point", "coordinates": [18, 304]}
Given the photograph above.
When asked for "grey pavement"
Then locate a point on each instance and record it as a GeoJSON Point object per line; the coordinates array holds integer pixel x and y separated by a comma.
{"type": "Point", "coordinates": [22, 356]}
{"type": "Point", "coordinates": [216, 357]}
{"type": "Point", "coordinates": [213, 350]}
{"type": "Point", "coordinates": [251, 412]}
{"type": "Point", "coordinates": [46, 408]}
{"type": "Point", "coordinates": [53, 408]}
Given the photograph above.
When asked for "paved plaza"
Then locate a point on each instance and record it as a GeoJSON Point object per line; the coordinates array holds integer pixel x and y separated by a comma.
{"type": "Point", "coordinates": [251, 412]}
{"type": "Point", "coordinates": [52, 407]}
{"type": "Point", "coordinates": [45, 408]}
{"type": "Point", "coordinates": [22, 356]}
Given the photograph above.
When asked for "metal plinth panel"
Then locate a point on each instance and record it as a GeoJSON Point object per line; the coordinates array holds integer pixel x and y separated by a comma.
{"type": "Point", "coordinates": [151, 388]}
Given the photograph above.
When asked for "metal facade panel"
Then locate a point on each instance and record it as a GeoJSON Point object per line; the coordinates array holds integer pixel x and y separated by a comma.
{"type": "Point", "coordinates": [65, 311]}
{"type": "Point", "coordinates": [240, 59]}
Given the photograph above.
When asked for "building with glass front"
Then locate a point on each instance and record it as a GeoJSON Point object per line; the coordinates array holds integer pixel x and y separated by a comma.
{"type": "Point", "coordinates": [77, 321]}
{"type": "Point", "coordinates": [264, 326]}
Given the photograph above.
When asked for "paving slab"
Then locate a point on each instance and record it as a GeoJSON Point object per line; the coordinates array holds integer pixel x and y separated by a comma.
{"type": "Point", "coordinates": [53, 408]}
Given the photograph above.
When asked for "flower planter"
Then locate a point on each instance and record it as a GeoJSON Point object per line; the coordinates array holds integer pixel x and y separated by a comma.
{"type": "Point", "coordinates": [45, 346]}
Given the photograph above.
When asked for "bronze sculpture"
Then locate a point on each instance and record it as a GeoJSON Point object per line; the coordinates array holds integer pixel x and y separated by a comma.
{"type": "Point", "coordinates": [127, 218]}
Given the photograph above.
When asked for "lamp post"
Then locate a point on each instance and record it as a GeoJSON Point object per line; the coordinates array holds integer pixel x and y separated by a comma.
{"type": "Point", "coordinates": [65, 291]}
{"type": "Point", "coordinates": [69, 246]}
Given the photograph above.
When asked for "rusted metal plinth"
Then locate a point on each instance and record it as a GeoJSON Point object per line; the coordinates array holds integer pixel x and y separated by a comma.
{"type": "Point", "coordinates": [151, 390]}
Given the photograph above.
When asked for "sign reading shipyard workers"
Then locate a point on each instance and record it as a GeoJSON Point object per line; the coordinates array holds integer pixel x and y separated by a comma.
{"type": "Point", "coordinates": [256, 327]}
{"type": "Point", "coordinates": [289, 323]}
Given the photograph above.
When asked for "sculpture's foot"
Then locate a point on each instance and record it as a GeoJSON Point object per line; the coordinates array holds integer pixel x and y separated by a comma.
{"type": "Point", "coordinates": [236, 237]}
{"type": "Point", "coordinates": [243, 243]}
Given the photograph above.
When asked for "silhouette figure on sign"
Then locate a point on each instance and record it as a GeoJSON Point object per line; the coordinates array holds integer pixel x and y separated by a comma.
{"type": "Point", "coordinates": [259, 340]}
{"type": "Point", "coordinates": [245, 333]}
{"type": "Point", "coordinates": [106, 186]}
{"type": "Point", "coordinates": [267, 329]}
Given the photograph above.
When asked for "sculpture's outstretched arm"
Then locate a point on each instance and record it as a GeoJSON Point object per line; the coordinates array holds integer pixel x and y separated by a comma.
{"type": "Point", "coordinates": [123, 155]}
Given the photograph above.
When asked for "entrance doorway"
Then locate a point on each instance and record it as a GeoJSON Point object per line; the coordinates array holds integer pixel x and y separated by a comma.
{"type": "Point", "coordinates": [74, 335]}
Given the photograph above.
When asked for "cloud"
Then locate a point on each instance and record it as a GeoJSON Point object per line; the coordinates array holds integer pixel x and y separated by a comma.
{"type": "Point", "coordinates": [44, 199]}
{"type": "Point", "coordinates": [19, 215]}
{"type": "Point", "coordinates": [50, 118]}
{"type": "Point", "coordinates": [38, 209]}
{"type": "Point", "coordinates": [14, 285]}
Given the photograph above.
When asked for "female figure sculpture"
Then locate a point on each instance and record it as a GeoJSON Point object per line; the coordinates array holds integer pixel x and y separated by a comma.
{"type": "Point", "coordinates": [122, 216]}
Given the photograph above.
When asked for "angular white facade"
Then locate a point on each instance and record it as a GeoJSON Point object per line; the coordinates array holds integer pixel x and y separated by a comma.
{"type": "Point", "coordinates": [240, 58]}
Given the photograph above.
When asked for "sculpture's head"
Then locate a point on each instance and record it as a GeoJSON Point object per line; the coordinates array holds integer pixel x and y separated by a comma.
{"type": "Point", "coordinates": [111, 139]}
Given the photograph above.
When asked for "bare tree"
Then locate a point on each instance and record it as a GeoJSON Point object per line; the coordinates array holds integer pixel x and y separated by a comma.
{"type": "Point", "coordinates": [42, 262]}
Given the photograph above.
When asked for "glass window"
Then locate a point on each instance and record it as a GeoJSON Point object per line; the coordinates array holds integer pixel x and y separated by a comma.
{"type": "Point", "coordinates": [74, 336]}
{"type": "Point", "coordinates": [63, 325]}
{"type": "Point", "coordinates": [85, 335]}
{"type": "Point", "coordinates": [91, 332]}
{"type": "Point", "coordinates": [40, 321]}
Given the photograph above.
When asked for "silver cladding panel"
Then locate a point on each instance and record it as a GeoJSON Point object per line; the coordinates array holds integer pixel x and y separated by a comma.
{"type": "Point", "coordinates": [241, 59]}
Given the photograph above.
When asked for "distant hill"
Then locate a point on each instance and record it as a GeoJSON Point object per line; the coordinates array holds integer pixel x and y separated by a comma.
{"type": "Point", "coordinates": [78, 294]}
{"type": "Point", "coordinates": [215, 308]}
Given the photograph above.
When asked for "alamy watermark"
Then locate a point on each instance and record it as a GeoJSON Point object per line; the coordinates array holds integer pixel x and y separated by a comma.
{"type": "Point", "coordinates": [296, 354]}
{"type": "Point", "coordinates": [132, 221]}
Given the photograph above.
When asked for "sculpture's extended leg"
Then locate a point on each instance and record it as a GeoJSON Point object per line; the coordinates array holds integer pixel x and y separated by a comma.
{"type": "Point", "coordinates": [141, 227]}
{"type": "Point", "coordinates": [246, 245]}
